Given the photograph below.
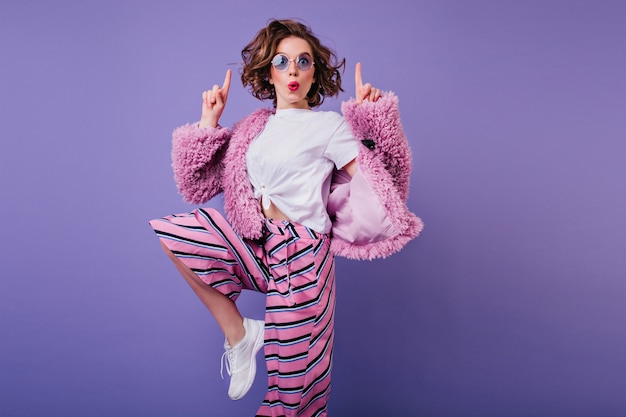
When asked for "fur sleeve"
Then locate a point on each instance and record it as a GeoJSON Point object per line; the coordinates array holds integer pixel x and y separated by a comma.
{"type": "Point", "coordinates": [377, 125]}
{"type": "Point", "coordinates": [197, 155]}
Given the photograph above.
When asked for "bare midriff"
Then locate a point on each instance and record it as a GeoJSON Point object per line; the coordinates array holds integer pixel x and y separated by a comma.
{"type": "Point", "coordinates": [273, 213]}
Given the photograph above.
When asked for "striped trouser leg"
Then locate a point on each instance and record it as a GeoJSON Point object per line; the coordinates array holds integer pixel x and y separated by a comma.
{"type": "Point", "coordinates": [293, 265]}
{"type": "Point", "coordinates": [299, 321]}
{"type": "Point", "coordinates": [205, 242]}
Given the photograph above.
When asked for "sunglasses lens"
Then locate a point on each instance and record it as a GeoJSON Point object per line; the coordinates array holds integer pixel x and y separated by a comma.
{"type": "Point", "coordinates": [304, 62]}
{"type": "Point", "coordinates": [280, 62]}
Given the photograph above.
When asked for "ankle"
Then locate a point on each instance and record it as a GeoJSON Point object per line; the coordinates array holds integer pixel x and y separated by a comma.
{"type": "Point", "coordinates": [235, 335]}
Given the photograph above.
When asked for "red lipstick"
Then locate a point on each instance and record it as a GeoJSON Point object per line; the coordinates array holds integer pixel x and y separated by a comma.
{"type": "Point", "coordinates": [293, 86]}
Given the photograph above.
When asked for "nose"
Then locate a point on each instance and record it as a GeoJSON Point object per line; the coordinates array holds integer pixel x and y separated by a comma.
{"type": "Point", "coordinates": [293, 68]}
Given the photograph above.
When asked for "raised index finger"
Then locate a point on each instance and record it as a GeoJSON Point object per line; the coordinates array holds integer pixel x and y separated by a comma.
{"type": "Point", "coordinates": [226, 85]}
{"type": "Point", "coordinates": [357, 76]}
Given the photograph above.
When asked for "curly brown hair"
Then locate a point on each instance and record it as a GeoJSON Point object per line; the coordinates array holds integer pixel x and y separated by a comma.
{"type": "Point", "coordinates": [258, 54]}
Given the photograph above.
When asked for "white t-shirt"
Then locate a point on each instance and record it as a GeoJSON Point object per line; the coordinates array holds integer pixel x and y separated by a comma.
{"type": "Point", "coordinates": [291, 161]}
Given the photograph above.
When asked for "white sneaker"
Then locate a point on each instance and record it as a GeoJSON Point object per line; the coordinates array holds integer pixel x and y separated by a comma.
{"type": "Point", "coordinates": [240, 359]}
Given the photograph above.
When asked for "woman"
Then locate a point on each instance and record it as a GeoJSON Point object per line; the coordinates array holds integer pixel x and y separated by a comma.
{"type": "Point", "coordinates": [291, 179]}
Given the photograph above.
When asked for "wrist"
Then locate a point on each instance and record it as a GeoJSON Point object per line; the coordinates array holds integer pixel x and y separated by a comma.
{"type": "Point", "coordinates": [204, 123]}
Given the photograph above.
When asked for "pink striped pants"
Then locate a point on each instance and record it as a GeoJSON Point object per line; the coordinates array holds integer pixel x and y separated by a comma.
{"type": "Point", "coordinates": [293, 265]}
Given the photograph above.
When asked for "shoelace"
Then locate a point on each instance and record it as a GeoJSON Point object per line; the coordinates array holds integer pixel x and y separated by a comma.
{"type": "Point", "coordinates": [227, 361]}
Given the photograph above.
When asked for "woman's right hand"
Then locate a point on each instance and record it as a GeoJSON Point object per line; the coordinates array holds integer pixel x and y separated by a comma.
{"type": "Point", "coordinates": [213, 103]}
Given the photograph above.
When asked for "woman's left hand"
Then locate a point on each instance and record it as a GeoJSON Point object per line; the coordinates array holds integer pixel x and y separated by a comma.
{"type": "Point", "coordinates": [364, 92]}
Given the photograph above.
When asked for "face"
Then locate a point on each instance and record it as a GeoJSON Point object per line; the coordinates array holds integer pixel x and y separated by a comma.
{"type": "Point", "coordinates": [292, 84]}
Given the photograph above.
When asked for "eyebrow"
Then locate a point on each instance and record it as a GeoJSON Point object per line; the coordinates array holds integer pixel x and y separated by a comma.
{"type": "Point", "coordinates": [300, 54]}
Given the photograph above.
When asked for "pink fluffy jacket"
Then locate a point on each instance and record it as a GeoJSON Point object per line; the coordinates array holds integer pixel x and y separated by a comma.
{"type": "Point", "coordinates": [369, 212]}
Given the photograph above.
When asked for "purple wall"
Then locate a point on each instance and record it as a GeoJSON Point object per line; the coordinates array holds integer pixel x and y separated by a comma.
{"type": "Point", "coordinates": [511, 303]}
